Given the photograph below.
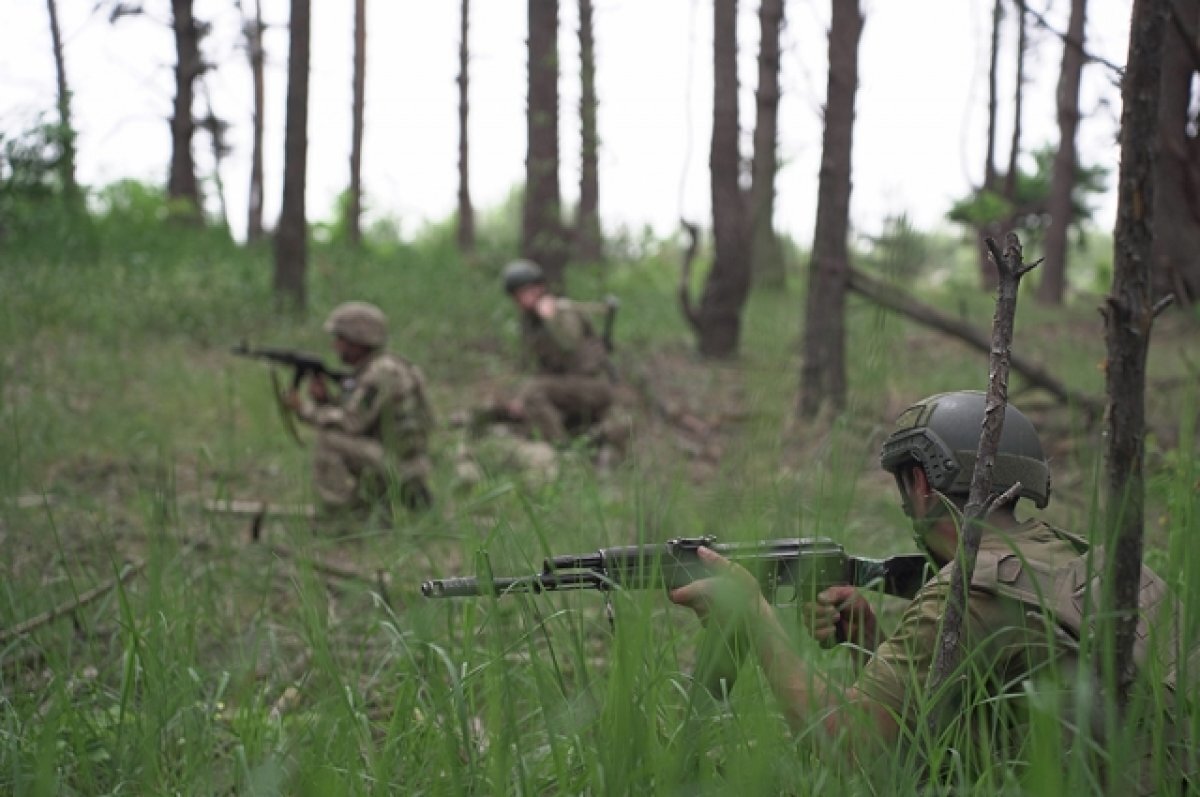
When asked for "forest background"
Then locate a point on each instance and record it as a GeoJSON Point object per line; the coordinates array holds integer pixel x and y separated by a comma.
{"type": "Point", "coordinates": [305, 662]}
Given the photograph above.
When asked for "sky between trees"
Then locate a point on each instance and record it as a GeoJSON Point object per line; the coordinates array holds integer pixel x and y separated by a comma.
{"type": "Point", "coordinates": [918, 140]}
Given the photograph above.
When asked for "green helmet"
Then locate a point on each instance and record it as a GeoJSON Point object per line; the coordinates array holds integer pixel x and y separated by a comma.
{"type": "Point", "coordinates": [941, 434]}
{"type": "Point", "coordinates": [520, 273]}
{"type": "Point", "coordinates": [358, 322]}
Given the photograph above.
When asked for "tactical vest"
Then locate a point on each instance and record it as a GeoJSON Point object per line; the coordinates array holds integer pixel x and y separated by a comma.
{"type": "Point", "coordinates": [1069, 593]}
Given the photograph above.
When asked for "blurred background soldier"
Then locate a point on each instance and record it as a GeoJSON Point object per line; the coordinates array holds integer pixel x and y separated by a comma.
{"type": "Point", "coordinates": [573, 389]}
{"type": "Point", "coordinates": [373, 435]}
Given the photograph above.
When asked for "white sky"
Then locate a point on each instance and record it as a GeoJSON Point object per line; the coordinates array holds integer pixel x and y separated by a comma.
{"type": "Point", "coordinates": [918, 141]}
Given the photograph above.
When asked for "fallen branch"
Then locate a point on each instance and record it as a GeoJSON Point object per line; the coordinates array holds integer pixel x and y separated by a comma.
{"type": "Point", "coordinates": [893, 299]}
{"type": "Point", "coordinates": [32, 624]}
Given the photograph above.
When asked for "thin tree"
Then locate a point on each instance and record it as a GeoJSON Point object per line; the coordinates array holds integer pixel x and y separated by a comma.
{"type": "Point", "coordinates": [717, 321]}
{"type": "Point", "coordinates": [66, 131]}
{"type": "Point", "coordinates": [542, 238]}
{"type": "Point", "coordinates": [181, 183]}
{"type": "Point", "coordinates": [1062, 180]}
{"type": "Point", "coordinates": [1177, 184]}
{"type": "Point", "coordinates": [1129, 312]}
{"type": "Point", "coordinates": [823, 372]}
{"type": "Point", "coordinates": [588, 239]}
{"type": "Point", "coordinates": [252, 32]}
{"type": "Point", "coordinates": [291, 235]}
{"type": "Point", "coordinates": [766, 258]}
{"type": "Point", "coordinates": [466, 213]}
{"type": "Point", "coordinates": [990, 176]}
{"type": "Point", "coordinates": [1014, 149]}
{"type": "Point", "coordinates": [354, 205]}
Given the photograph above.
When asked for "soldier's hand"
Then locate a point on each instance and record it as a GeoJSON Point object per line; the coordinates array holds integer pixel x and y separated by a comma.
{"type": "Point", "coordinates": [731, 595]}
{"type": "Point", "coordinates": [842, 606]}
{"type": "Point", "coordinates": [317, 390]}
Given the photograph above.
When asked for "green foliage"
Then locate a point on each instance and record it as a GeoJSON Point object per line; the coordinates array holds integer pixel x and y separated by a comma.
{"type": "Point", "coordinates": [228, 669]}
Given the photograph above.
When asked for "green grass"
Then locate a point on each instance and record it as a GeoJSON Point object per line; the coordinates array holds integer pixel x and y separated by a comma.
{"type": "Point", "coordinates": [225, 669]}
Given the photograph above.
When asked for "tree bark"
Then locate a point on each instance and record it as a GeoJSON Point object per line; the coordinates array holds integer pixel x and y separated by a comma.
{"type": "Point", "coordinates": [1062, 180]}
{"type": "Point", "coordinates": [1176, 270]}
{"type": "Point", "coordinates": [291, 236]}
{"type": "Point", "coordinates": [1014, 150]}
{"type": "Point", "coordinates": [66, 134]}
{"type": "Point", "coordinates": [181, 184]}
{"type": "Point", "coordinates": [1129, 312]}
{"type": "Point", "coordinates": [253, 30]}
{"type": "Point", "coordinates": [354, 205]}
{"type": "Point", "coordinates": [823, 373]}
{"type": "Point", "coordinates": [987, 277]}
{"type": "Point", "coordinates": [466, 212]}
{"type": "Point", "coordinates": [542, 239]}
{"type": "Point", "coordinates": [766, 259]}
{"type": "Point", "coordinates": [588, 239]}
{"type": "Point", "coordinates": [718, 318]}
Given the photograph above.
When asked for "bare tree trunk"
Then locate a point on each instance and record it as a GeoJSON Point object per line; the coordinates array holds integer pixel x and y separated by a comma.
{"type": "Point", "coordinates": [254, 49]}
{"type": "Point", "coordinates": [719, 316]}
{"type": "Point", "coordinates": [1014, 150]}
{"type": "Point", "coordinates": [542, 228]}
{"type": "Point", "coordinates": [181, 184]}
{"type": "Point", "coordinates": [1129, 313]}
{"type": "Point", "coordinates": [354, 207]}
{"type": "Point", "coordinates": [1176, 269]}
{"type": "Point", "coordinates": [823, 373]}
{"type": "Point", "coordinates": [588, 239]}
{"type": "Point", "coordinates": [765, 256]}
{"type": "Point", "coordinates": [216, 129]}
{"type": "Point", "coordinates": [986, 273]}
{"type": "Point", "coordinates": [291, 236]}
{"type": "Point", "coordinates": [466, 213]}
{"type": "Point", "coordinates": [1062, 181]}
{"type": "Point", "coordinates": [66, 164]}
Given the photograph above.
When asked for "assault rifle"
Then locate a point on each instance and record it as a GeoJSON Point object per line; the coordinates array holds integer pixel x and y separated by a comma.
{"type": "Point", "coordinates": [302, 363]}
{"type": "Point", "coordinates": [788, 570]}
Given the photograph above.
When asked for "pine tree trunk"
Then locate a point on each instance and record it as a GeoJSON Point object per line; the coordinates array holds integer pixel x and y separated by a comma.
{"type": "Point", "coordinates": [1062, 181]}
{"type": "Point", "coordinates": [987, 276]}
{"type": "Point", "coordinates": [1129, 313]}
{"type": "Point", "coordinates": [291, 236]}
{"type": "Point", "coordinates": [354, 206]}
{"type": "Point", "coordinates": [257, 56]}
{"type": "Point", "coordinates": [823, 373]}
{"type": "Point", "coordinates": [542, 239]}
{"type": "Point", "coordinates": [66, 164]}
{"type": "Point", "coordinates": [181, 184]}
{"type": "Point", "coordinates": [466, 213]}
{"type": "Point", "coordinates": [1014, 149]}
{"type": "Point", "coordinates": [766, 258]}
{"type": "Point", "coordinates": [588, 238]}
{"type": "Point", "coordinates": [719, 316]}
{"type": "Point", "coordinates": [1176, 269]}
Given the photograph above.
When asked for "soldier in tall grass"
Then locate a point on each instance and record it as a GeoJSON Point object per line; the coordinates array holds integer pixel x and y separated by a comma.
{"type": "Point", "coordinates": [372, 436]}
{"type": "Point", "coordinates": [1026, 634]}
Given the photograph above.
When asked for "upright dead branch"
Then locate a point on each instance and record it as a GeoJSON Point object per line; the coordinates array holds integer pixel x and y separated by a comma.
{"type": "Point", "coordinates": [980, 501]}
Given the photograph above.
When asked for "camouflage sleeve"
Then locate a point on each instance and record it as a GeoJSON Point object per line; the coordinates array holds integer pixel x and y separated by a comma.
{"type": "Point", "coordinates": [360, 410]}
{"type": "Point", "coordinates": [567, 326]}
{"type": "Point", "coordinates": [413, 415]}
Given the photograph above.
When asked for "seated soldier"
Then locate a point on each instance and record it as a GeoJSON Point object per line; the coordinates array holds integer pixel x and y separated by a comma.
{"type": "Point", "coordinates": [573, 390]}
{"type": "Point", "coordinates": [374, 433]}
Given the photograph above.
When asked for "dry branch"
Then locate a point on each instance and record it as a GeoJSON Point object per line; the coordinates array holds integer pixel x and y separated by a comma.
{"type": "Point", "coordinates": [893, 299]}
{"type": "Point", "coordinates": [980, 501]}
{"type": "Point", "coordinates": [32, 624]}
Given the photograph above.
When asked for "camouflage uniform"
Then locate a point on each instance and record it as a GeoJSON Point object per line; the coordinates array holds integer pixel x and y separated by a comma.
{"type": "Point", "coordinates": [376, 433]}
{"type": "Point", "coordinates": [572, 390]}
{"type": "Point", "coordinates": [1010, 641]}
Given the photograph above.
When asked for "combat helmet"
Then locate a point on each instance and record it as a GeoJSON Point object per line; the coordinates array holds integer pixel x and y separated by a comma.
{"type": "Point", "coordinates": [358, 322]}
{"type": "Point", "coordinates": [941, 434]}
{"type": "Point", "coordinates": [519, 273]}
